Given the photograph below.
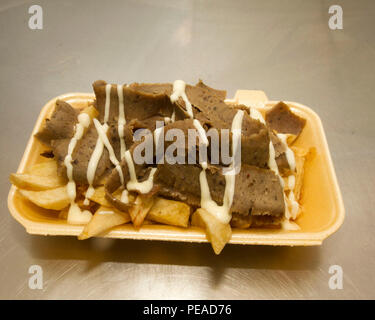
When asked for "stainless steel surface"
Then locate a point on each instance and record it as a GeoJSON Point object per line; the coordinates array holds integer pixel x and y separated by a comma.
{"type": "Point", "coordinates": [282, 47]}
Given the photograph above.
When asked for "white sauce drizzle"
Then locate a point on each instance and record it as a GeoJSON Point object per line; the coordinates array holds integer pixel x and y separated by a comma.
{"type": "Point", "coordinates": [93, 164]}
{"type": "Point", "coordinates": [157, 133]}
{"type": "Point", "coordinates": [286, 223]}
{"type": "Point", "coordinates": [179, 91]}
{"type": "Point", "coordinates": [222, 212]}
{"type": "Point", "coordinates": [75, 215]}
{"type": "Point", "coordinates": [107, 102]}
{"type": "Point", "coordinates": [112, 157]}
{"type": "Point", "coordinates": [294, 203]}
{"type": "Point", "coordinates": [272, 161]}
{"type": "Point", "coordinates": [256, 115]}
{"type": "Point", "coordinates": [98, 151]}
{"type": "Point", "coordinates": [121, 120]}
{"type": "Point", "coordinates": [288, 152]}
{"type": "Point", "coordinates": [201, 131]}
{"type": "Point", "coordinates": [291, 179]}
{"type": "Point", "coordinates": [83, 123]}
{"type": "Point", "coordinates": [104, 212]}
{"type": "Point", "coordinates": [125, 196]}
{"type": "Point", "coordinates": [133, 184]}
{"type": "Point", "coordinates": [291, 182]}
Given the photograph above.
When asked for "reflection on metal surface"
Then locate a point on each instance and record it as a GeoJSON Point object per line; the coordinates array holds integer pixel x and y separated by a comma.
{"type": "Point", "coordinates": [183, 34]}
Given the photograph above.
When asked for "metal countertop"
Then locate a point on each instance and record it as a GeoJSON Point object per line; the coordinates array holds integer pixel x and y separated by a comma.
{"type": "Point", "coordinates": [282, 47]}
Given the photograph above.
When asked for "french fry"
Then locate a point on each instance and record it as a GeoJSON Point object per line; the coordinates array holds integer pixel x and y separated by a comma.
{"type": "Point", "coordinates": [140, 209]}
{"type": "Point", "coordinates": [103, 220]}
{"type": "Point", "coordinates": [78, 216]}
{"type": "Point", "coordinates": [43, 169]}
{"type": "Point", "coordinates": [63, 214]}
{"type": "Point", "coordinates": [290, 138]}
{"type": "Point", "coordinates": [217, 233]}
{"type": "Point", "coordinates": [294, 193]}
{"type": "Point", "coordinates": [99, 196]}
{"type": "Point", "coordinates": [170, 212]}
{"type": "Point", "coordinates": [240, 221]}
{"type": "Point", "coordinates": [300, 163]}
{"type": "Point", "coordinates": [301, 156]}
{"type": "Point", "coordinates": [54, 199]}
{"type": "Point", "coordinates": [268, 222]}
{"type": "Point", "coordinates": [41, 176]}
{"type": "Point", "coordinates": [148, 222]}
{"type": "Point", "coordinates": [91, 111]}
{"type": "Point", "coordinates": [36, 183]}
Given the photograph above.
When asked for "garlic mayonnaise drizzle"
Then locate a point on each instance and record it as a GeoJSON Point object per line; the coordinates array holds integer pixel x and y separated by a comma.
{"type": "Point", "coordinates": [288, 152]}
{"type": "Point", "coordinates": [93, 164]}
{"type": "Point", "coordinates": [107, 102]}
{"type": "Point", "coordinates": [291, 182]}
{"type": "Point", "coordinates": [133, 184]}
{"type": "Point", "coordinates": [112, 157]}
{"type": "Point", "coordinates": [121, 120]}
{"type": "Point", "coordinates": [179, 91]}
{"type": "Point", "coordinates": [223, 212]}
{"type": "Point", "coordinates": [291, 179]}
{"type": "Point", "coordinates": [99, 147]}
{"type": "Point", "coordinates": [220, 212]}
{"type": "Point", "coordinates": [286, 223]}
{"type": "Point", "coordinates": [201, 131]}
{"type": "Point", "coordinates": [256, 115]}
{"type": "Point", "coordinates": [75, 215]}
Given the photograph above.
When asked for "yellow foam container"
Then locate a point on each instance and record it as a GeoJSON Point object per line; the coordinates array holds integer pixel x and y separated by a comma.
{"type": "Point", "coordinates": [323, 209]}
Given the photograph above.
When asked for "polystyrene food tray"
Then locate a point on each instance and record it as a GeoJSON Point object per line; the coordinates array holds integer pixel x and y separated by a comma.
{"type": "Point", "coordinates": [323, 210]}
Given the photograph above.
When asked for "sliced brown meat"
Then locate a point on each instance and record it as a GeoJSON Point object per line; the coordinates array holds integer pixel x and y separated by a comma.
{"type": "Point", "coordinates": [166, 89]}
{"type": "Point", "coordinates": [254, 146]}
{"type": "Point", "coordinates": [268, 222]}
{"type": "Point", "coordinates": [60, 125]}
{"type": "Point", "coordinates": [221, 94]}
{"type": "Point", "coordinates": [280, 156]}
{"type": "Point", "coordinates": [212, 112]}
{"type": "Point", "coordinates": [153, 88]}
{"type": "Point", "coordinates": [81, 157]}
{"type": "Point", "coordinates": [138, 105]}
{"type": "Point", "coordinates": [149, 123]}
{"type": "Point", "coordinates": [113, 183]}
{"type": "Point", "coordinates": [277, 144]}
{"type": "Point", "coordinates": [257, 191]}
{"type": "Point", "coordinates": [281, 119]}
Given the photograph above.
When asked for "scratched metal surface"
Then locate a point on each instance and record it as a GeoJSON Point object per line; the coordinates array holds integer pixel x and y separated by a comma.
{"type": "Point", "coordinates": [282, 47]}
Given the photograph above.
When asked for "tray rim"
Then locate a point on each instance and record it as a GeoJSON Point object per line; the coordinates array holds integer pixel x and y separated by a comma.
{"type": "Point", "coordinates": [174, 233]}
